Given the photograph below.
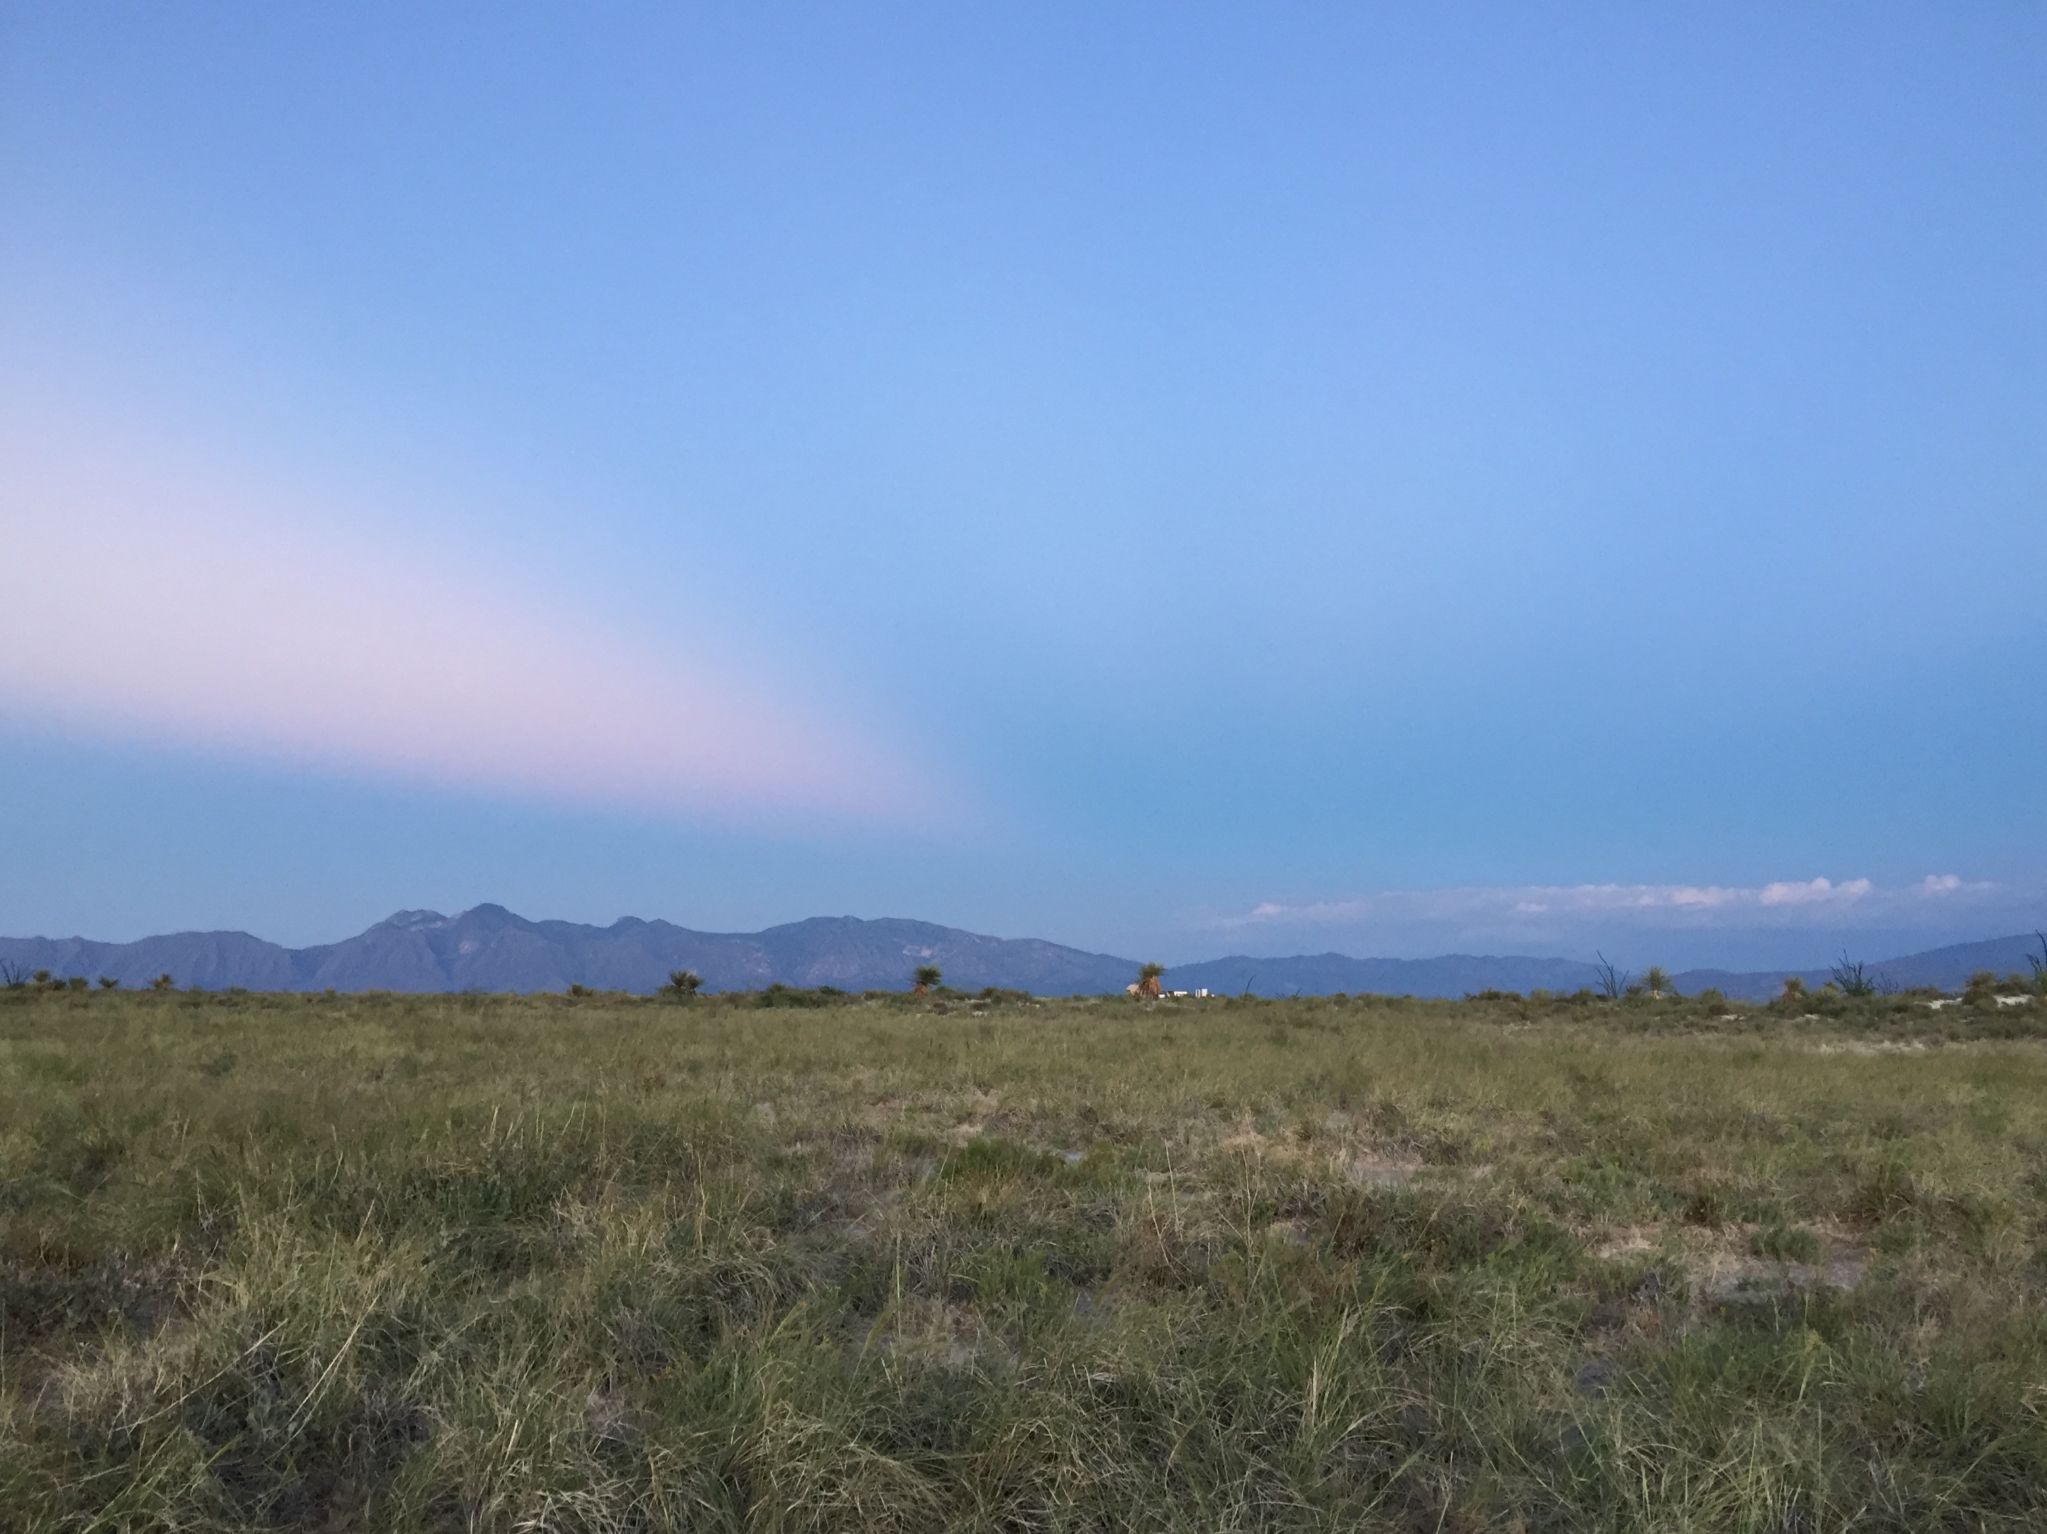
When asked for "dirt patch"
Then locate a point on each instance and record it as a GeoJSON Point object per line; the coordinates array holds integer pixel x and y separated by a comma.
{"type": "Point", "coordinates": [1725, 1269]}
{"type": "Point", "coordinates": [1746, 1279]}
{"type": "Point", "coordinates": [1374, 1166]}
{"type": "Point", "coordinates": [1381, 1171]}
{"type": "Point", "coordinates": [1872, 1047]}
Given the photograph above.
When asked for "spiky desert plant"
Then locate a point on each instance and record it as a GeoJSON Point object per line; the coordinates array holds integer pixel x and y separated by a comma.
{"type": "Point", "coordinates": [1852, 976]}
{"type": "Point", "coordinates": [684, 983]}
{"type": "Point", "coordinates": [924, 978]}
{"type": "Point", "coordinates": [1657, 979]}
{"type": "Point", "coordinates": [1613, 981]}
{"type": "Point", "coordinates": [1148, 980]}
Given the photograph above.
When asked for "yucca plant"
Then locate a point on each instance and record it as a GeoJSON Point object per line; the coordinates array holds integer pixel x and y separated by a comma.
{"type": "Point", "coordinates": [924, 979]}
{"type": "Point", "coordinates": [1148, 980]}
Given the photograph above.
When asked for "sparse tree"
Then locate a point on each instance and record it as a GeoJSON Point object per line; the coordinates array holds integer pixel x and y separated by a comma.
{"type": "Point", "coordinates": [924, 978]}
{"type": "Point", "coordinates": [2038, 962]}
{"type": "Point", "coordinates": [1657, 979]}
{"type": "Point", "coordinates": [13, 976]}
{"type": "Point", "coordinates": [162, 982]}
{"type": "Point", "coordinates": [684, 983]}
{"type": "Point", "coordinates": [1148, 981]}
{"type": "Point", "coordinates": [1852, 977]}
{"type": "Point", "coordinates": [1613, 983]}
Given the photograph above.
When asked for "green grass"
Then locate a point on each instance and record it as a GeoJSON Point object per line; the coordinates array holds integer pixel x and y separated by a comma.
{"type": "Point", "coordinates": [605, 1263]}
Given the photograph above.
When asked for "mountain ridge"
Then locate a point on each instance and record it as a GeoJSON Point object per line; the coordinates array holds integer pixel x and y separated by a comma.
{"type": "Point", "coordinates": [491, 948]}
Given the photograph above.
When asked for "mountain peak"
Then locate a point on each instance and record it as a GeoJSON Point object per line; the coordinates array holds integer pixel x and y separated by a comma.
{"type": "Point", "coordinates": [413, 921]}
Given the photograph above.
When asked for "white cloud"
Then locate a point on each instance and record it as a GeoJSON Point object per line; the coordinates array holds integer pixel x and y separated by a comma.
{"type": "Point", "coordinates": [1813, 892]}
{"type": "Point", "coordinates": [1512, 905]}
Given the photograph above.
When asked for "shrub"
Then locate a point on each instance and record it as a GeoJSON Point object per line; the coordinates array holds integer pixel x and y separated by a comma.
{"type": "Point", "coordinates": [162, 982]}
{"type": "Point", "coordinates": [109, 983]}
{"type": "Point", "coordinates": [683, 984]}
{"type": "Point", "coordinates": [1852, 977]}
{"type": "Point", "coordinates": [780, 995]}
{"type": "Point", "coordinates": [1613, 982]}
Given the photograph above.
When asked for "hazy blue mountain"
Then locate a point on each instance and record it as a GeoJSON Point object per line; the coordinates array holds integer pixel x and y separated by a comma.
{"type": "Point", "coordinates": [1945, 969]}
{"type": "Point", "coordinates": [491, 949]}
{"type": "Point", "coordinates": [1322, 974]}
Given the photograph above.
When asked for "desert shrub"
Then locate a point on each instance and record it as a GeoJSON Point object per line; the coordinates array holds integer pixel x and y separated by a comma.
{"type": "Point", "coordinates": [780, 995]}
{"type": "Point", "coordinates": [1852, 977]}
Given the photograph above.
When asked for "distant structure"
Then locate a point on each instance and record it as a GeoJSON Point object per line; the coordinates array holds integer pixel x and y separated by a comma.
{"type": "Point", "coordinates": [1138, 988]}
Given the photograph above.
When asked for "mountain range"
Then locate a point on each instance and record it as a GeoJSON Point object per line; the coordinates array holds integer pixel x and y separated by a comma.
{"type": "Point", "coordinates": [491, 949]}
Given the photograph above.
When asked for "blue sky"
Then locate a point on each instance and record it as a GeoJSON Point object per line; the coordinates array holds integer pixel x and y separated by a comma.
{"type": "Point", "coordinates": [1174, 479]}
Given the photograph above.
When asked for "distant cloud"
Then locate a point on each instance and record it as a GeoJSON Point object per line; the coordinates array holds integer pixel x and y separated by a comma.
{"type": "Point", "coordinates": [1813, 892]}
{"type": "Point", "coordinates": [1933, 886]}
{"type": "Point", "coordinates": [1507, 904]}
{"type": "Point", "coordinates": [192, 607]}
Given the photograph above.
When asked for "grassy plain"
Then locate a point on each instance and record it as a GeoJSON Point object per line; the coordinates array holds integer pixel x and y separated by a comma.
{"type": "Point", "coordinates": [621, 1264]}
